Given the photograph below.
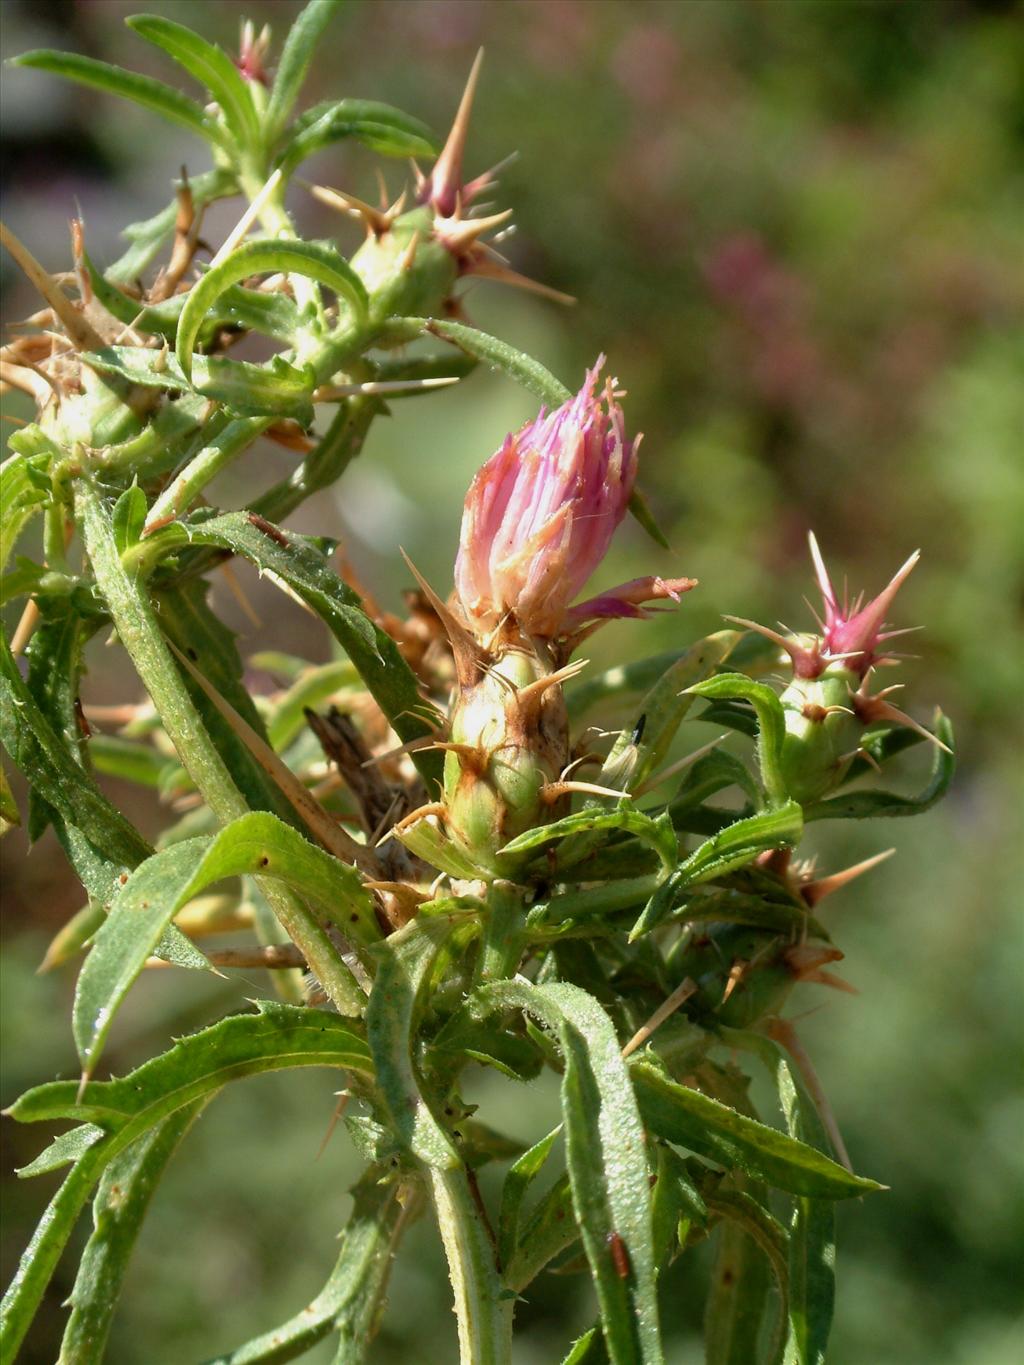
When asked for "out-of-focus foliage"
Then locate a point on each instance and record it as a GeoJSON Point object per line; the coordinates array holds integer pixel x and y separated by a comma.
{"type": "Point", "coordinates": [799, 226]}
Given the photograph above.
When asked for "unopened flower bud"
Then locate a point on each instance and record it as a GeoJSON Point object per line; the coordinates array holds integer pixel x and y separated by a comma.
{"type": "Point", "coordinates": [540, 516]}
{"type": "Point", "coordinates": [827, 704]}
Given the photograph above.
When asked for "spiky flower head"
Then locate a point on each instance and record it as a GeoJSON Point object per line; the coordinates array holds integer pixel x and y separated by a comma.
{"type": "Point", "coordinates": [850, 633]}
{"type": "Point", "coordinates": [539, 518]}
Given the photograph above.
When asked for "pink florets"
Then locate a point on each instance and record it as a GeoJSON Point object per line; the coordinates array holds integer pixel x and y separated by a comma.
{"type": "Point", "coordinates": [539, 518]}
{"type": "Point", "coordinates": [541, 513]}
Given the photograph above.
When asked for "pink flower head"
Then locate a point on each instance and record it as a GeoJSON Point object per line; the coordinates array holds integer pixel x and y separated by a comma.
{"type": "Point", "coordinates": [540, 515]}
{"type": "Point", "coordinates": [853, 633]}
{"type": "Point", "coordinates": [850, 634]}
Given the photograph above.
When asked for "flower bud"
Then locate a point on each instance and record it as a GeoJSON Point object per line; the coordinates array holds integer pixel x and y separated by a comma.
{"type": "Point", "coordinates": [539, 518]}
{"type": "Point", "coordinates": [827, 704]}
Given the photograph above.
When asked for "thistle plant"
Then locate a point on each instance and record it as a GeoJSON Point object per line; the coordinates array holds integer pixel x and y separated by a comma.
{"type": "Point", "coordinates": [440, 859]}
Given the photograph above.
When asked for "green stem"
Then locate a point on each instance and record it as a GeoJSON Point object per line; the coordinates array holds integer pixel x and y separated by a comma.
{"type": "Point", "coordinates": [483, 1309]}
{"type": "Point", "coordinates": [501, 949]}
{"type": "Point", "coordinates": [138, 630]}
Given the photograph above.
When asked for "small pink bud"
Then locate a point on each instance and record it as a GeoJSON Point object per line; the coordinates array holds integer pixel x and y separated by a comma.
{"type": "Point", "coordinates": [853, 633]}
{"type": "Point", "coordinates": [252, 51]}
{"type": "Point", "coordinates": [539, 518]}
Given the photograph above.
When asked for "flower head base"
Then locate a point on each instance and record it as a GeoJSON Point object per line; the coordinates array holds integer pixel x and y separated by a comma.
{"type": "Point", "coordinates": [539, 518]}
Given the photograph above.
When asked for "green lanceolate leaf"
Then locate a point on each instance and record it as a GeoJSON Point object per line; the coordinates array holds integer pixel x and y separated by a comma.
{"type": "Point", "coordinates": [63, 1150]}
{"type": "Point", "coordinates": [296, 55]}
{"type": "Point", "coordinates": [210, 66]}
{"type": "Point", "coordinates": [23, 490]}
{"type": "Point", "coordinates": [256, 844]}
{"type": "Point", "coordinates": [744, 1212]}
{"type": "Point", "coordinates": [122, 1200]}
{"type": "Point", "coordinates": [657, 834]}
{"type": "Point", "coordinates": [386, 674]}
{"type": "Point", "coordinates": [378, 126]}
{"type": "Point", "coordinates": [106, 845]}
{"type": "Point", "coordinates": [406, 961]}
{"type": "Point", "coordinates": [712, 773]}
{"type": "Point", "coordinates": [771, 723]}
{"type": "Point", "coordinates": [521, 1175]}
{"type": "Point", "coordinates": [641, 748]}
{"type": "Point", "coordinates": [311, 259]}
{"type": "Point", "coordinates": [694, 1120]}
{"type": "Point", "coordinates": [349, 1303]}
{"type": "Point", "coordinates": [113, 80]}
{"type": "Point", "coordinates": [737, 845]}
{"type": "Point", "coordinates": [605, 1148]}
{"type": "Point", "coordinates": [866, 805]}
{"type": "Point", "coordinates": [812, 1235]}
{"type": "Point", "coordinates": [738, 1302]}
{"type": "Point", "coordinates": [548, 1230]}
{"type": "Point", "coordinates": [502, 358]}
{"type": "Point", "coordinates": [273, 1038]}
{"type": "Point", "coordinates": [188, 622]}
{"type": "Point", "coordinates": [276, 389]}
{"type": "Point", "coordinates": [277, 1037]}
{"type": "Point", "coordinates": [39, 1260]}
{"type": "Point", "coordinates": [623, 680]}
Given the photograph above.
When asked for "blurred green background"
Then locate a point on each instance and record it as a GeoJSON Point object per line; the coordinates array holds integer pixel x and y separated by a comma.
{"type": "Point", "coordinates": [797, 229]}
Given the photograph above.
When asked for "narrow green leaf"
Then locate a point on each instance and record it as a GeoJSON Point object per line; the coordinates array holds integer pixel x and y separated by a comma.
{"type": "Point", "coordinates": [40, 1257]}
{"type": "Point", "coordinates": [406, 961]}
{"type": "Point", "coordinates": [867, 805]}
{"type": "Point", "coordinates": [694, 1120]}
{"type": "Point", "coordinates": [623, 680]}
{"type": "Point", "coordinates": [257, 844]}
{"type": "Point", "coordinates": [737, 845]}
{"type": "Point", "coordinates": [636, 756]}
{"type": "Point", "coordinates": [374, 653]}
{"type": "Point", "coordinates": [549, 1229]}
{"type": "Point", "coordinates": [589, 1349]}
{"type": "Point", "coordinates": [500, 357]}
{"type": "Point", "coordinates": [521, 1175]}
{"type": "Point", "coordinates": [120, 1205]}
{"type": "Point", "coordinates": [605, 1148]}
{"type": "Point", "coordinates": [350, 1301]}
{"type": "Point", "coordinates": [640, 510]}
{"type": "Point", "coordinates": [771, 723]}
{"type": "Point", "coordinates": [311, 259]}
{"type": "Point", "coordinates": [130, 761]}
{"type": "Point", "coordinates": [812, 1237]}
{"type": "Point", "coordinates": [22, 493]}
{"type": "Point", "coordinates": [275, 389]}
{"type": "Point", "coordinates": [108, 844]}
{"type": "Point", "coordinates": [210, 66]}
{"type": "Point", "coordinates": [713, 773]}
{"type": "Point", "coordinates": [63, 1150]}
{"type": "Point", "coordinates": [113, 80]}
{"type": "Point", "coordinates": [296, 55]}
{"type": "Point", "coordinates": [378, 126]}
{"type": "Point", "coordinates": [766, 1233]}
{"type": "Point", "coordinates": [657, 834]}
{"type": "Point", "coordinates": [738, 1302]}
{"type": "Point", "coordinates": [129, 517]}
{"type": "Point", "coordinates": [275, 1038]}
